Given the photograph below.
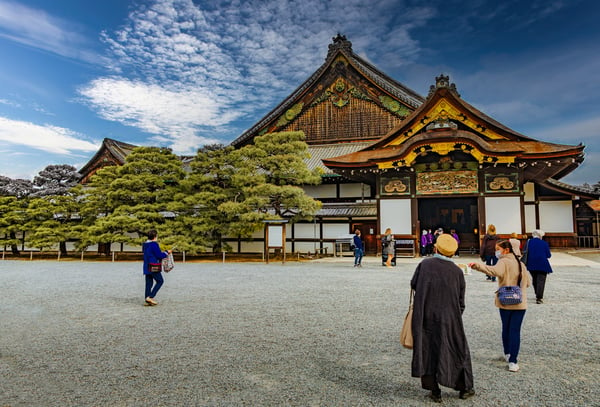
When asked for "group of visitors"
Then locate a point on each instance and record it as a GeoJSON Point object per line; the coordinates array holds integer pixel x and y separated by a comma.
{"type": "Point", "coordinates": [428, 239]}
{"type": "Point", "coordinates": [441, 354]}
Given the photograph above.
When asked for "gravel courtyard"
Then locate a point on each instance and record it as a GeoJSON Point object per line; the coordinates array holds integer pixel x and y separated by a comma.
{"type": "Point", "coordinates": [318, 333]}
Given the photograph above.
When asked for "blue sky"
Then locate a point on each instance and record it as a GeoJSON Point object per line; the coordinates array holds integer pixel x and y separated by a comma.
{"type": "Point", "coordinates": [182, 73]}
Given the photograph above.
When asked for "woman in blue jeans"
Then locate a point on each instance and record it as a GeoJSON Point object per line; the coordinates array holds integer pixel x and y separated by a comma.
{"type": "Point", "coordinates": [510, 271]}
{"type": "Point", "coordinates": [152, 255]}
{"type": "Point", "coordinates": [359, 249]}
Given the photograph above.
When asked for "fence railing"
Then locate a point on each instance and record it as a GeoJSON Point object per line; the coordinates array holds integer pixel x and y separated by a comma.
{"type": "Point", "coordinates": [588, 242]}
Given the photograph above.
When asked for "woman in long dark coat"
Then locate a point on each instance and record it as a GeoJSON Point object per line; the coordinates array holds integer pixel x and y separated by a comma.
{"type": "Point", "coordinates": [441, 353]}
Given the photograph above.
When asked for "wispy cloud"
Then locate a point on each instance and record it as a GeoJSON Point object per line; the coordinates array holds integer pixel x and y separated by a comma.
{"type": "Point", "coordinates": [37, 29]}
{"type": "Point", "coordinates": [48, 138]}
{"type": "Point", "coordinates": [206, 66]}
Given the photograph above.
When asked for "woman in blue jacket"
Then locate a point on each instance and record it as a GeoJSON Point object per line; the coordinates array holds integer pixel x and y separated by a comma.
{"type": "Point", "coordinates": [153, 255]}
{"type": "Point", "coordinates": [538, 253]}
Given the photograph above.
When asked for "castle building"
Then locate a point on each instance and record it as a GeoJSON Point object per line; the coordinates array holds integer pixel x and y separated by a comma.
{"type": "Point", "coordinates": [392, 158]}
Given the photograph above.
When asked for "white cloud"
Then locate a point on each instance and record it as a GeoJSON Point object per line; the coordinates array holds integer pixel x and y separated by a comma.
{"type": "Point", "coordinates": [184, 71]}
{"type": "Point", "coordinates": [52, 139]}
{"type": "Point", "coordinates": [35, 28]}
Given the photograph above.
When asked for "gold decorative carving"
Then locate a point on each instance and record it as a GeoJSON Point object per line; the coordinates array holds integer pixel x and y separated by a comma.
{"type": "Point", "coordinates": [447, 182]}
{"type": "Point", "coordinates": [443, 108]}
{"type": "Point", "coordinates": [395, 186]}
{"type": "Point", "coordinates": [443, 149]}
{"type": "Point", "coordinates": [501, 183]}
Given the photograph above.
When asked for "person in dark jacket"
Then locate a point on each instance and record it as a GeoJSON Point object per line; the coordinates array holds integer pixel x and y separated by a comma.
{"type": "Point", "coordinates": [441, 354]}
{"type": "Point", "coordinates": [152, 255]}
{"type": "Point", "coordinates": [538, 253]}
{"type": "Point", "coordinates": [359, 249]}
{"type": "Point", "coordinates": [488, 249]}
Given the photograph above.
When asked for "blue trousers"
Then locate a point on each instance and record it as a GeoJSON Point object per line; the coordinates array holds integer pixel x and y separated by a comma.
{"type": "Point", "coordinates": [511, 332]}
{"type": "Point", "coordinates": [358, 255]}
{"type": "Point", "coordinates": [150, 278]}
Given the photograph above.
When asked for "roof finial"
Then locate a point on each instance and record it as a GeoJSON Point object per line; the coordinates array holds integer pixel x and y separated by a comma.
{"type": "Point", "coordinates": [443, 81]}
{"type": "Point", "coordinates": [339, 42]}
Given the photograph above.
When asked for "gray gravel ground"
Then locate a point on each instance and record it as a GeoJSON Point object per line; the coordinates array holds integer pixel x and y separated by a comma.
{"type": "Point", "coordinates": [300, 334]}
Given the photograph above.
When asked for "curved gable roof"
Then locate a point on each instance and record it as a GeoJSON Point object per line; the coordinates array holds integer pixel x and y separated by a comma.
{"type": "Point", "coordinates": [340, 48]}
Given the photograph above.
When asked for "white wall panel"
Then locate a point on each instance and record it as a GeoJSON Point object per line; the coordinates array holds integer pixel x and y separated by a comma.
{"type": "Point", "coordinates": [504, 213]}
{"type": "Point", "coordinates": [395, 214]}
{"type": "Point", "coordinates": [529, 189]}
{"type": "Point", "coordinates": [305, 231]}
{"type": "Point", "coordinates": [354, 190]}
{"type": "Point", "coordinates": [321, 191]}
{"type": "Point", "coordinates": [333, 230]}
{"type": "Point", "coordinates": [556, 216]}
{"type": "Point", "coordinates": [529, 218]}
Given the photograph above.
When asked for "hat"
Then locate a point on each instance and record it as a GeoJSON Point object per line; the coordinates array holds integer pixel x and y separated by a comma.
{"type": "Point", "coordinates": [446, 245]}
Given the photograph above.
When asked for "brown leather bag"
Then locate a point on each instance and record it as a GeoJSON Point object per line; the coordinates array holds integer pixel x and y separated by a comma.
{"type": "Point", "coordinates": [406, 335]}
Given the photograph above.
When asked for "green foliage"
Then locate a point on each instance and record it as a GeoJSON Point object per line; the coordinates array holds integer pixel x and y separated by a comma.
{"type": "Point", "coordinates": [123, 203]}
{"type": "Point", "coordinates": [53, 219]}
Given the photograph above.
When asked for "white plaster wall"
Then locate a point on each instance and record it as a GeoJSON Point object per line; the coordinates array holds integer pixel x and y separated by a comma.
{"type": "Point", "coordinates": [529, 189]}
{"type": "Point", "coordinates": [320, 191]}
{"type": "Point", "coordinates": [395, 214]}
{"type": "Point", "coordinates": [504, 213]}
{"type": "Point", "coordinates": [529, 218]}
{"type": "Point", "coordinates": [333, 230]}
{"type": "Point", "coordinates": [306, 231]}
{"type": "Point", "coordinates": [354, 190]}
{"type": "Point", "coordinates": [556, 216]}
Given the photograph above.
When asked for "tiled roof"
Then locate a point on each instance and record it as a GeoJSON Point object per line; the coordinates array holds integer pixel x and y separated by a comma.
{"type": "Point", "coordinates": [323, 151]}
{"type": "Point", "coordinates": [345, 210]}
{"type": "Point", "coordinates": [576, 189]}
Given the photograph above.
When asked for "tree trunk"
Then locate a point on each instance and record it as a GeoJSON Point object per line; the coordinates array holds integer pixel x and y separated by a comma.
{"type": "Point", "coordinates": [14, 247]}
{"type": "Point", "coordinates": [63, 248]}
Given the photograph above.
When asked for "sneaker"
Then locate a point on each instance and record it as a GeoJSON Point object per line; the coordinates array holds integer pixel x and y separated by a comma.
{"type": "Point", "coordinates": [513, 367]}
{"type": "Point", "coordinates": [151, 301]}
{"type": "Point", "coordinates": [465, 394]}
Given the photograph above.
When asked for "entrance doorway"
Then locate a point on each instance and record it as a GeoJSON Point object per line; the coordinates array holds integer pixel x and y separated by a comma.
{"type": "Point", "coordinates": [368, 234]}
{"type": "Point", "coordinates": [459, 214]}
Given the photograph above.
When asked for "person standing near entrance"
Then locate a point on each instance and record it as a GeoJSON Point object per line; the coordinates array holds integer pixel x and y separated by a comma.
{"type": "Point", "coordinates": [488, 249]}
{"type": "Point", "coordinates": [387, 247]}
{"type": "Point", "coordinates": [455, 236]}
{"type": "Point", "coordinates": [359, 249]}
{"type": "Point", "coordinates": [441, 354]}
{"type": "Point", "coordinates": [424, 241]}
{"type": "Point", "coordinates": [538, 253]}
{"type": "Point", "coordinates": [429, 243]}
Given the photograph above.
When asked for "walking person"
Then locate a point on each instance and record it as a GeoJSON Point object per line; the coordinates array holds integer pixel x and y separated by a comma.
{"type": "Point", "coordinates": [359, 249]}
{"type": "Point", "coordinates": [516, 244]}
{"type": "Point", "coordinates": [538, 253]}
{"type": "Point", "coordinates": [441, 354]}
{"type": "Point", "coordinates": [387, 247]}
{"type": "Point", "coordinates": [510, 272]}
{"type": "Point", "coordinates": [488, 249]}
{"type": "Point", "coordinates": [152, 258]}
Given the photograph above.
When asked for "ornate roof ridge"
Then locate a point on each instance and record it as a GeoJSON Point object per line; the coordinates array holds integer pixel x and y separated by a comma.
{"type": "Point", "coordinates": [340, 45]}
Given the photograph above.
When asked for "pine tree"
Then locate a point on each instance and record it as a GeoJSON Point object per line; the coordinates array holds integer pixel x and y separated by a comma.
{"type": "Point", "coordinates": [123, 203]}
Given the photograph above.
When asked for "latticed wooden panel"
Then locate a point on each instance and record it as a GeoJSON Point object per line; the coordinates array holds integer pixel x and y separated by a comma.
{"type": "Point", "coordinates": [358, 120]}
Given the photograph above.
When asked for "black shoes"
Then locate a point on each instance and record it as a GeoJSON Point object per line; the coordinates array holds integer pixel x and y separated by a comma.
{"type": "Point", "coordinates": [436, 397]}
{"type": "Point", "coordinates": [465, 394]}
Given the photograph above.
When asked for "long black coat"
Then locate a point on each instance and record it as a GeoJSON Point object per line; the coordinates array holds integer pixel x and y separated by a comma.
{"type": "Point", "coordinates": [440, 345]}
